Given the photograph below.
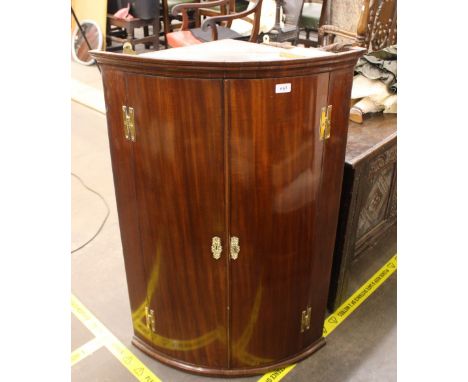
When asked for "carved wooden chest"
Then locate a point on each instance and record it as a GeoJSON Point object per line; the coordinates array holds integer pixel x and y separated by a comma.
{"type": "Point", "coordinates": [366, 233]}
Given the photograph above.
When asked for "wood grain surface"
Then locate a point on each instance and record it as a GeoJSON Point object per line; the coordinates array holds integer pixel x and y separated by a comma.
{"type": "Point", "coordinates": [179, 167]}
{"type": "Point", "coordinates": [219, 152]}
{"type": "Point", "coordinates": [123, 168]}
{"type": "Point", "coordinates": [276, 160]}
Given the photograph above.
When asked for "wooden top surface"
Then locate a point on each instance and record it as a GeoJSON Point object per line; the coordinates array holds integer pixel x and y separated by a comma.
{"type": "Point", "coordinates": [235, 51]}
{"type": "Point", "coordinates": [224, 59]}
{"type": "Point", "coordinates": [367, 137]}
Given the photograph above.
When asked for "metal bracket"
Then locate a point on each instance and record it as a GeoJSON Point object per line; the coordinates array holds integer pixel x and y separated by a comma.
{"type": "Point", "coordinates": [150, 321]}
{"type": "Point", "coordinates": [128, 116]}
{"type": "Point", "coordinates": [305, 319]}
{"type": "Point", "coordinates": [128, 48]}
{"type": "Point", "coordinates": [325, 123]}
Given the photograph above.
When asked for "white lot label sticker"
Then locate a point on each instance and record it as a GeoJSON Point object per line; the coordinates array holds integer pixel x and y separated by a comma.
{"type": "Point", "coordinates": [283, 88]}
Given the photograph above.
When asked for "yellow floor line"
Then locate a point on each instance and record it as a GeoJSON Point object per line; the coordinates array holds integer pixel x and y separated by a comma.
{"type": "Point", "coordinates": [85, 350]}
{"type": "Point", "coordinates": [112, 343]}
{"type": "Point", "coordinates": [143, 374]}
{"type": "Point", "coordinates": [349, 306]}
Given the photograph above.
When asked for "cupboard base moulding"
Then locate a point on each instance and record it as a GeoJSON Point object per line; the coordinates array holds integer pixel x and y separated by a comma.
{"type": "Point", "coordinates": [211, 372]}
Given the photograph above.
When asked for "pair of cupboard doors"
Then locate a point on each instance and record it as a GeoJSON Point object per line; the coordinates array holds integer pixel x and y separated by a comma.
{"type": "Point", "coordinates": [227, 198]}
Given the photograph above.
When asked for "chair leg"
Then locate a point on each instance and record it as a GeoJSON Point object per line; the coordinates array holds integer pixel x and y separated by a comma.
{"type": "Point", "coordinates": [320, 40]}
{"type": "Point", "coordinates": [295, 39]}
{"type": "Point", "coordinates": [156, 33]}
{"type": "Point", "coordinates": [131, 36]}
{"type": "Point", "coordinates": [166, 23]}
{"type": "Point", "coordinates": [197, 18]}
{"type": "Point", "coordinates": [146, 34]}
{"type": "Point", "coordinates": [108, 34]}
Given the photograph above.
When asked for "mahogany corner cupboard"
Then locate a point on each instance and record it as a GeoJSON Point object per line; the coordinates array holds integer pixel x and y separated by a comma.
{"type": "Point", "coordinates": [228, 161]}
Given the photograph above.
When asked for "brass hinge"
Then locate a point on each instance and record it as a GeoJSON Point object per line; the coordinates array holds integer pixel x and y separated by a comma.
{"type": "Point", "coordinates": [128, 115]}
{"type": "Point", "coordinates": [150, 322]}
{"type": "Point", "coordinates": [305, 320]}
{"type": "Point", "coordinates": [325, 122]}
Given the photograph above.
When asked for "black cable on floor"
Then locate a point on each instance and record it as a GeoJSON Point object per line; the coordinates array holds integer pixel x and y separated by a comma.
{"type": "Point", "coordinates": [103, 222]}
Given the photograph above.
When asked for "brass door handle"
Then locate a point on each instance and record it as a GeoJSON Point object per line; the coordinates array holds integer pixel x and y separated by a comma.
{"type": "Point", "coordinates": [235, 248]}
{"type": "Point", "coordinates": [216, 247]}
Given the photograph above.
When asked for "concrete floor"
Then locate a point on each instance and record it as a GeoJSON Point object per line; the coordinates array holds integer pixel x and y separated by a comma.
{"type": "Point", "coordinates": [363, 348]}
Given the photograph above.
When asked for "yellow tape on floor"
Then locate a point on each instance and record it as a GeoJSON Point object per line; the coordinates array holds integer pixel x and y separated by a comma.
{"type": "Point", "coordinates": [349, 306]}
{"type": "Point", "coordinates": [276, 375]}
{"type": "Point", "coordinates": [112, 343]}
{"type": "Point", "coordinates": [87, 349]}
{"type": "Point", "coordinates": [143, 374]}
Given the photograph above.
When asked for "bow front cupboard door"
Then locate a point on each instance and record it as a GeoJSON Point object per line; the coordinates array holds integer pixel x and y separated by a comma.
{"type": "Point", "coordinates": [275, 166]}
{"type": "Point", "coordinates": [175, 170]}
